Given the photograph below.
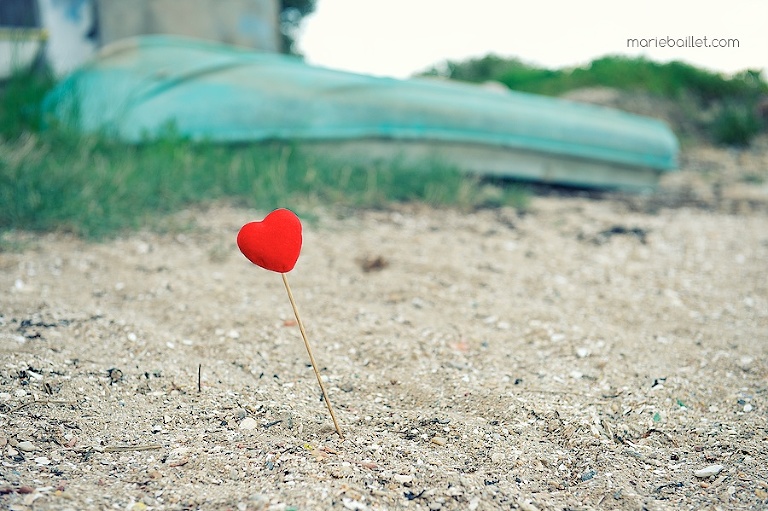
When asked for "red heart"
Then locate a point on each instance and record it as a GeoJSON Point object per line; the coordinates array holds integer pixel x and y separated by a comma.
{"type": "Point", "coordinates": [274, 243]}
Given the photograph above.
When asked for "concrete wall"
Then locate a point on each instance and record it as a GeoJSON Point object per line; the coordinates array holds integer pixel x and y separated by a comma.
{"type": "Point", "coordinates": [249, 23]}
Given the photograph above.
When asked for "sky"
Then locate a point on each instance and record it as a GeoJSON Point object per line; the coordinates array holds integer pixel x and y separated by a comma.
{"type": "Point", "coordinates": [401, 37]}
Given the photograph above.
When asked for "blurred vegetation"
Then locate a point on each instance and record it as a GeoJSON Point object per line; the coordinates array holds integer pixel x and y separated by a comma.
{"type": "Point", "coordinates": [733, 99]}
{"type": "Point", "coordinates": [21, 102]}
{"type": "Point", "coordinates": [95, 187]}
{"type": "Point", "coordinates": [291, 14]}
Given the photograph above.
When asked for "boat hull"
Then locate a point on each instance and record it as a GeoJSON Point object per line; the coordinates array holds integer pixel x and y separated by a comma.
{"type": "Point", "coordinates": [148, 87]}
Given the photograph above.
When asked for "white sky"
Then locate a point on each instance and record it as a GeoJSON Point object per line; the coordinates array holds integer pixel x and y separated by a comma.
{"type": "Point", "coordinates": [401, 37]}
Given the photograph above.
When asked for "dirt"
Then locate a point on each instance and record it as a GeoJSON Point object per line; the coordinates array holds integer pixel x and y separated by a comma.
{"type": "Point", "coordinates": [591, 352]}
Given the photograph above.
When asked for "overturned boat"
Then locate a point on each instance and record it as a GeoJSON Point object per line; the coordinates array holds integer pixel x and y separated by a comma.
{"type": "Point", "coordinates": [137, 89]}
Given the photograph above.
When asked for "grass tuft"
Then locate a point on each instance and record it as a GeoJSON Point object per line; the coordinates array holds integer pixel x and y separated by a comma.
{"type": "Point", "coordinates": [96, 188]}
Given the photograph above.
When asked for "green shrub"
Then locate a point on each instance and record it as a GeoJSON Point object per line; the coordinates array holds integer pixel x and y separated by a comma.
{"type": "Point", "coordinates": [671, 79]}
{"type": "Point", "coordinates": [21, 99]}
{"type": "Point", "coordinates": [735, 124]}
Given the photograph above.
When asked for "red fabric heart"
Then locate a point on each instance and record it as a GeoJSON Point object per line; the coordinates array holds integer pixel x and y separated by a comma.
{"type": "Point", "coordinates": [274, 243]}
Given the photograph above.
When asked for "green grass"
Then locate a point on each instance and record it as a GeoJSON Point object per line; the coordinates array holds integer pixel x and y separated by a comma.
{"type": "Point", "coordinates": [96, 188]}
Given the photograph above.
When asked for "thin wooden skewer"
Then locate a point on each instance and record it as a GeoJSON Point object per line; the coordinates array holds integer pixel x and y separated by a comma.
{"type": "Point", "coordinates": [311, 356]}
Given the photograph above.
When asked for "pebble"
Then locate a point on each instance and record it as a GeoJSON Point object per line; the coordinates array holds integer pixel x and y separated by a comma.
{"type": "Point", "coordinates": [355, 505]}
{"type": "Point", "coordinates": [178, 457]}
{"type": "Point", "coordinates": [249, 423]}
{"type": "Point", "coordinates": [26, 446]}
{"type": "Point", "coordinates": [711, 470]}
{"type": "Point", "coordinates": [748, 408]}
{"type": "Point", "coordinates": [438, 440]}
{"type": "Point", "coordinates": [403, 478]}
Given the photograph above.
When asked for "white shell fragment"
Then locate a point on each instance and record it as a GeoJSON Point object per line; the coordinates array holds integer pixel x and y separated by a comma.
{"type": "Point", "coordinates": [249, 423]}
{"type": "Point", "coordinates": [711, 470]}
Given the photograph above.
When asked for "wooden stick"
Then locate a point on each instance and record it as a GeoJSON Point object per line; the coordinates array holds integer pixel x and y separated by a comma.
{"type": "Point", "coordinates": [127, 448]}
{"type": "Point", "coordinates": [311, 357]}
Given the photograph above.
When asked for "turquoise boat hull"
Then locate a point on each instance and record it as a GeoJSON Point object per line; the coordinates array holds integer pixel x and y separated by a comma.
{"type": "Point", "coordinates": [136, 89]}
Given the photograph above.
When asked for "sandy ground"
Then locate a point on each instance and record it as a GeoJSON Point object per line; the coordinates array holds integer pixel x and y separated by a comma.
{"type": "Point", "coordinates": [590, 353]}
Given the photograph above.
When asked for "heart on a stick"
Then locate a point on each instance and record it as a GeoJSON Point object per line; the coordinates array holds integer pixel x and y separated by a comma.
{"type": "Point", "coordinates": [274, 243]}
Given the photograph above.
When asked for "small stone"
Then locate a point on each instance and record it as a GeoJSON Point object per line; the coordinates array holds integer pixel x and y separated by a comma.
{"type": "Point", "coordinates": [26, 446]}
{"type": "Point", "coordinates": [42, 460]}
{"type": "Point", "coordinates": [589, 474]}
{"type": "Point", "coordinates": [746, 363]}
{"type": "Point", "coordinates": [748, 408]}
{"type": "Point", "coordinates": [709, 471]}
{"type": "Point", "coordinates": [438, 440]}
{"type": "Point", "coordinates": [355, 505]}
{"type": "Point", "coordinates": [403, 478]}
{"type": "Point", "coordinates": [178, 457]}
{"type": "Point", "coordinates": [20, 393]}
{"type": "Point", "coordinates": [249, 423]}
{"type": "Point", "coordinates": [497, 457]}
{"type": "Point", "coordinates": [114, 374]}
